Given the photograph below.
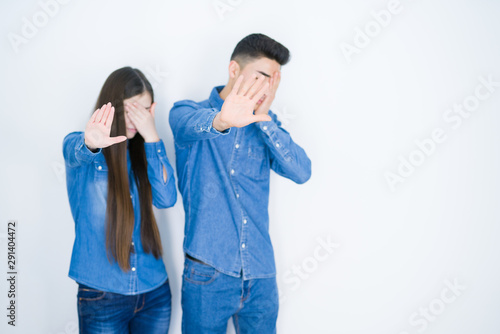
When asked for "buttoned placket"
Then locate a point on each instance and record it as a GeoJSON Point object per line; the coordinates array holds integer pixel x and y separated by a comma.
{"type": "Point", "coordinates": [238, 148]}
{"type": "Point", "coordinates": [133, 273]}
{"type": "Point", "coordinates": [133, 253]}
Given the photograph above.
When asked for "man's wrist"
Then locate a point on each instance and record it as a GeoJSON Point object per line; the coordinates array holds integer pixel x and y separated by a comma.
{"type": "Point", "coordinates": [218, 125]}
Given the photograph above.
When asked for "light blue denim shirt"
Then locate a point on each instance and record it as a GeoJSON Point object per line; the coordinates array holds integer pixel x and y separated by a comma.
{"type": "Point", "coordinates": [224, 182]}
{"type": "Point", "coordinates": [86, 181]}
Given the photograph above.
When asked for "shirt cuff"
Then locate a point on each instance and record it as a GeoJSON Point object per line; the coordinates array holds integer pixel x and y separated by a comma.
{"type": "Point", "coordinates": [208, 125]}
{"type": "Point", "coordinates": [153, 150]}
{"type": "Point", "coordinates": [267, 126]}
{"type": "Point", "coordinates": [84, 153]}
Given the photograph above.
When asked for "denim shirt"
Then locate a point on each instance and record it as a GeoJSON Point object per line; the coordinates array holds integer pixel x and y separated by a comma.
{"type": "Point", "coordinates": [86, 181]}
{"type": "Point", "coordinates": [224, 182]}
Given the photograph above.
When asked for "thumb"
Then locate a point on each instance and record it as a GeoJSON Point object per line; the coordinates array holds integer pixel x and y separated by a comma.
{"type": "Point", "coordinates": [262, 118]}
{"type": "Point", "coordinates": [118, 139]}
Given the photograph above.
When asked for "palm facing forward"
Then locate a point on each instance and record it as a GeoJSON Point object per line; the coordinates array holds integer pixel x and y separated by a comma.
{"type": "Point", "coordinates": [238, 107]}
{"type": "Point", "coordinates": [99, 127]}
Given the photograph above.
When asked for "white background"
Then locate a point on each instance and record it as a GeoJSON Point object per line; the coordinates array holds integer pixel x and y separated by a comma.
{"type": "Point", "coordinates": [397, 247]}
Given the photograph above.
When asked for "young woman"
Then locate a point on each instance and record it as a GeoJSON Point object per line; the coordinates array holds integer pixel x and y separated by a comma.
{"type": "Point", "coordinates": [115, 172]}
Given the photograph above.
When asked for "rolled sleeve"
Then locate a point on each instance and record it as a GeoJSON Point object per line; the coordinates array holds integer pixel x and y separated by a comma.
{"type": "Point", "coordinates": [75, 151]}
{"type": "Point", "coordinates": [164, 192]}
{"type": "Point", "coordinates": [208, 126]}
{"type": "Point", "coordinates": [85, 154]}
{"type": "Point", "coordinates": [191, 123]}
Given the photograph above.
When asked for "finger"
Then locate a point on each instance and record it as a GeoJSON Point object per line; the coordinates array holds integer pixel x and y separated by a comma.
{"type": "Point", "coordinates": [261, 92]}
{"type": "Point", "coordinates": [133, 122]}
{"type": "Point", "coordinates": [109, 119]}
{"type": "Point", "coordinates": [255, 87]}
{"type": "Point", "coordinates": [277, 81]}
{"type": "Point", "coordinates": [98, 114]}
{"type": "Point", "coordinates": [92, 119]}
{"type": "Point", "coordinates": [117, 139]}
{"type": "Point", "coordinates": [262, 118]}
{"type": "Point", "coordinates": [133, 118]}
{"type": "Point", "coordinates": [135, 112]}
{"type": "Point", "coordinates": [237, 85]}
{"type": "Point", "coordinates": [106, 114]}
{"type": "Point", "coordinates": [140, 109]}
{"type": "Point", "coordinates": [104, 109]}
{"type": "Point", "coordinates": [152, 110]}
{"type": "Point", "coordinates": [131, 114]}
{"type": "Point", "coordinates": [129, 111]}
{"type": "Point", "coordinates": [134, 107]}
{"type": "Point", "coordinates": [246, 85]}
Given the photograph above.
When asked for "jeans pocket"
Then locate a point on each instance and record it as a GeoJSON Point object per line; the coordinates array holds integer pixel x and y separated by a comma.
{"type": "Point", "coordinates": [89, 294]}
{"type": "Point", "coordinates": [198, 273]}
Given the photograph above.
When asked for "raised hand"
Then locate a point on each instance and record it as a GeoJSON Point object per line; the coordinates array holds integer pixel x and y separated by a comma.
{"type": "Point", "coordinates": [143, 120]}
{"type": "Point", "coordinates": [99, 127]}
{"type": "Point", "coordinates": [238, 107]}
{"type": "Point", "coordinates": [274, 82]}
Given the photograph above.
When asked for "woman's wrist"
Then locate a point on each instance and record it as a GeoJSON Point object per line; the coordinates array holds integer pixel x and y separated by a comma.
{"type": "Point", "coordinates": [153, 138]}
{"type": "Point", "coordinates": [92, 149]}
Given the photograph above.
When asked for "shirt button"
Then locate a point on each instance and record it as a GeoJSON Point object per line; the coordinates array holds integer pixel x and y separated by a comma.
{"type": "Point", "coordinates": [133, 268]}
{"type": "Point", "coordinates": [277, 145]}
{"type": "Point", "coordinates": [237, 195]}
{"type": "Point", "coordinates": [99, 167]}
{"type": "Point", "coordinates": [130, 196]}
{"type": "Point", "coordinates": [232, 171]}
{"type": "Point", "coordinates": [159, 151]}
{"type": "Point", "coordinates": [132, 243]}
{"type": "Point", "coordinates": [264, 127]}
{"type": "Point", "coordinates": [244, 221]}
{"type": "Point", "coordinates": [237, 146]}
{"type": "Point", "coordinates": [243, 245]}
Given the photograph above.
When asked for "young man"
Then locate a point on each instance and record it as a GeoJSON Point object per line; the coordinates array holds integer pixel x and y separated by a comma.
{"type": "Point", "coordinates": [225, 148]}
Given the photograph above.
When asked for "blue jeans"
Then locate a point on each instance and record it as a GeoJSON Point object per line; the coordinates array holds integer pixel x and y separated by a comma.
{"type": "Point", "coordinates": [210, 298]}
{"type": "Point", "coordinates": [108, 312]}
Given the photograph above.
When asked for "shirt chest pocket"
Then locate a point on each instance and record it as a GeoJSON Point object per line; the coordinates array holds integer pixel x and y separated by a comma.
{"type": "Point", "coordinates": [100, 171]}
{"type": "Point", "coordinates": [256, 165]}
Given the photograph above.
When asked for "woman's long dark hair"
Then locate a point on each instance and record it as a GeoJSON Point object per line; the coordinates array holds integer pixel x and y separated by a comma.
{"type": "Point", "coordinates": [122, 84]}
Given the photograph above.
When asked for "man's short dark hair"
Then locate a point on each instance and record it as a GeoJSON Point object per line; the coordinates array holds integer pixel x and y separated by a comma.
{"type": "Point", "coordinates": [256, 46]}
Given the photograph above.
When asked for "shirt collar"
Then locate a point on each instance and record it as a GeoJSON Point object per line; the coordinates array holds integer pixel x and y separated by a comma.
{"type": "Point", "coordinates": [215, 100]}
